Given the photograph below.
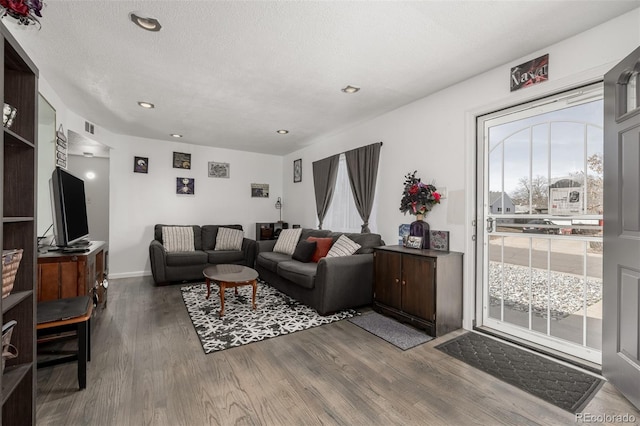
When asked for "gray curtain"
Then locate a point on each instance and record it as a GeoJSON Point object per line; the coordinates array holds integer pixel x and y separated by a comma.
{"type": "Point", "coordinates": [362, 165]}
{"type": "Point", "coordinates": [324, 181]}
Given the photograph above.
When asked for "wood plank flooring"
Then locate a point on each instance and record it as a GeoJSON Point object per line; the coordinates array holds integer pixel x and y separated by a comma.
{"type": "Point", "coordinates": [148, 368]}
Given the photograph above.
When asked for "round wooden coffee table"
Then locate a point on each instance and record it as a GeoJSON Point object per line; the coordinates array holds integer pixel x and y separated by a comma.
{"type": "Point", "coordinates": [231, 276]}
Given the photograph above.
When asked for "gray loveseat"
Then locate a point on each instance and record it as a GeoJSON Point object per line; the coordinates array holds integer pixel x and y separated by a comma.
{"type": "Point", "coordinates": [184, 266]}
{"type": "Point", "coordinates": [328, 286]}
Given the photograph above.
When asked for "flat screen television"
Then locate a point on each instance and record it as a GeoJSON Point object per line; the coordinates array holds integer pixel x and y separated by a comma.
{"type": "Point", "coordinates": [69, 205]}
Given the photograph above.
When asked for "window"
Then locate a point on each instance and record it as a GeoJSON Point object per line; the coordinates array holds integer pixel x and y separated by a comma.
{"type": "Point", "coordinates": [342, 215]}
{"type": "Point", "coordinates": [499, 209]}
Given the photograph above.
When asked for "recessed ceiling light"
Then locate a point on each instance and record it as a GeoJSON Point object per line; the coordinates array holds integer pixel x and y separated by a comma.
{"type": "Point", "coordinates": [350, 89]}
{"type": "Point", "coordinates": [147, 105]}
{"type": "Point", "coordinates": [282, 131]}
{"type": "Point", "coordinates": [149, 24]}
{"type": "Point", "coordinates": [175, 135]}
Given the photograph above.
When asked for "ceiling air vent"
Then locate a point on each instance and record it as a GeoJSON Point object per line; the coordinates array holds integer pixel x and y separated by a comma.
{"type": "Point", "coordinates": [88, 127]}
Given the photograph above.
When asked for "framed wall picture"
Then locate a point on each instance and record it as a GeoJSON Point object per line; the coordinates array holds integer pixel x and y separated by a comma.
{"type": "Point", "coordinates": [413, 242]}
{"type": "Point", "coordinates": [219, 170]}
{"type": "Point", "coordinates": [140, 164]}
{"type": "Point", "coordinates": [181, 160]}
{"type": "Point", "coordinates": [439, 240]}
{"type": "Point", "coordinates": [297, 170]}
{"type": "Point", "coordinates": [61, 148]}
{"type": "Point", "coordinates": [260, 190]}
{"type": "Point", "coordinates": [185, 186]}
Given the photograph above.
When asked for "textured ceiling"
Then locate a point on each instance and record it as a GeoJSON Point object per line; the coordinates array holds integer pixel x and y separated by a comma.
{"type": "Point", "coordinates": [230, 73]}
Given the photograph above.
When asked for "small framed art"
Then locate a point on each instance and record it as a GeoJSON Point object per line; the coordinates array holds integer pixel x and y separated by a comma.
{"type": "Point", "coordinates": [140, 165]}
{"type": "Point", "coordinates": [219, 170]}
{"type": "Point", "coordinates": [260, 190]}
{"type": "Point", "coordinates": [439, 240]}
{"type": "Point", "coordinates": [181, 160]}
{"type": "Point", "coordinates": [185, 186]}
{"type": "Point", "coordinates": [413, 242]}
{"type": "Point", "coordinates": [297, 170]}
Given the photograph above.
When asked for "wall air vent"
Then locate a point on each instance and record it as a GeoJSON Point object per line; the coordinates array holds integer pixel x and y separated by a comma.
{"type": "Point", "coordinates": [88, 127]}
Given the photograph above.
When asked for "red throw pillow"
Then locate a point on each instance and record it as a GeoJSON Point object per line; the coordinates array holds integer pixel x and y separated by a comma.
{"type": "Point", "coordinates": [323, 245]}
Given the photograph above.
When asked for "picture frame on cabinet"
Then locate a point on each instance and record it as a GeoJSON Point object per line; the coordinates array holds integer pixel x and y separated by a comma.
{"type": "Point", "coordinates": [413, 242]}
{"type": "Point", "coordinates": [439, 240]}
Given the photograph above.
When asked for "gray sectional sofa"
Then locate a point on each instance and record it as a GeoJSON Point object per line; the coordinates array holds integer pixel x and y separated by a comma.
{"type": "Point", "coordinates": [328, 286]}
{"type": "Point", "coordinates": [183, 266]}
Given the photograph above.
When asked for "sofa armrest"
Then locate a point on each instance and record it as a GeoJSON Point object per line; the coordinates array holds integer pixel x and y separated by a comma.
{"type": "Point", "coordinates": [265, 245]}
{"type": "Point", "coordinates": [158, 258]}
{"type": "Point", "coordinates": [345, 281]}
{"type": "Point", "coordinates": [249, 252]}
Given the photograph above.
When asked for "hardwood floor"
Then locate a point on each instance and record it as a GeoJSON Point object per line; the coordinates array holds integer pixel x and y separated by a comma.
{"type": "Point", "coordinates": [148, 368]}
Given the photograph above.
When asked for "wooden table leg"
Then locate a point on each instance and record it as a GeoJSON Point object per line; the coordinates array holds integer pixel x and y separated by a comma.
{"type": "Point", "coordinates": [223, 285]}
{"type": "Point", "coordinates": [83, 342]}
{"type": "Point", "coordinates": [254, 284]}
{"type": "Point", "coordinates": [208, 288]}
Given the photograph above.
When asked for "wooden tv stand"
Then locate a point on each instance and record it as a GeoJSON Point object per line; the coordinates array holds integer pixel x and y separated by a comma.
{"type": "Point", "coordinates": [62, 275]}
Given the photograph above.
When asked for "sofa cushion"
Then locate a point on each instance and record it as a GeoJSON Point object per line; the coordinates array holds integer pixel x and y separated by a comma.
{"type": "Point", "coordinates": [210, 233]}
{"type": "Point", "coordinates": [322, 247]}
{"type": "Point", "coordinates": [343, 247]}
{"type": "Point", "coordinates": [229, 239]}
{"type": "Point", "coordinates": [304, 251]}
{"type": "Point", "coordinates": [269, 260]}
{"type": "Point", "coordinates": [218, 257]}
{"type": "Point", "coordinates": [287, 241]}
{"type": "Point", "coordinates": [197, 237]}
{"type": "Point", "coordinates": [368, 241]}
{"type": "Point", "coordinates": [318, 233]}
{"type": "Point", "coordinates": [187, 258]}
{"type": "Point", "coordinates": [177, 238]}
{"type": "Point", "coordinates": [302, 274]}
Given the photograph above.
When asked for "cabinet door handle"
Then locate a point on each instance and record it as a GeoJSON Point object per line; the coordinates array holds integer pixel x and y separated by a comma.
{"type": "Point", "coordinates": [397, 280]}
{"type": "Point", "coordinates": [404, 282]}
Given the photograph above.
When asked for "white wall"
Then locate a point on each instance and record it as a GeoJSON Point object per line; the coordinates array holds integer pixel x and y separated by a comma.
{"type": "Point", "coordinates": [139, 201]}
{"type": "Point", "coordinates": [436, 136]}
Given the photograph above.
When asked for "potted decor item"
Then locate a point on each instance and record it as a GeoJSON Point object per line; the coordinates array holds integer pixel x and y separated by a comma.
{"type": "Point", "coordinates": [8, 115]}
{"type": "Point", "coordinates": [8, 350]}
{"type": "Point", "coordinates": [10, 263]}
{"type": "Point", "coordinates": [418, 198]}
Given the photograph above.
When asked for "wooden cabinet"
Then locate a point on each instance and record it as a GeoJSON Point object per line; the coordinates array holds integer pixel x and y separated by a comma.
{"type": "Point", "coordinates": [63, 275]}
{"type": "Point", "coordinates": [421, 287]}
{"type": "Point", "coordinates": [19, 89]}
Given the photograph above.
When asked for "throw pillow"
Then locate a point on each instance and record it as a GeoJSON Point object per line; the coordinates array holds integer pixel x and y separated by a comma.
{"type": "Point", "coordinates": [344, 246]}
{"type": "Point", "coordinates": [177, 238]}
{"type": "Point", "coordinates": [287, 241]}
{"type": "Point", "coordinates": [304, 251]}
{"type": "Point", "coordinates": [322, 247]}
{"type": "Point", "coordinates": [229, 239]}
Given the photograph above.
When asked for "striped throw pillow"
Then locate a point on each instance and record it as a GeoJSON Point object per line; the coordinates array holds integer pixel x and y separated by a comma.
{"type": "Point", "coordinates": [287, 241]}
{"type": "Point", "coordinates": [177, 238]}
{"type": "Point", "coordinates": [344, 246]}
{"type": "Point", "coordinates": [229, 239]}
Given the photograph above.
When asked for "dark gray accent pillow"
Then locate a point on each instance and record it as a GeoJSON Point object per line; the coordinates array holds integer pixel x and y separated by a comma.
{"type": "Point", "coordinates": [304, 251]}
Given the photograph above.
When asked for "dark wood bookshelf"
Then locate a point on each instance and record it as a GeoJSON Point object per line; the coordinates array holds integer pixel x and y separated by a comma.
{"type": "Point", "coordinates": [18, 204]}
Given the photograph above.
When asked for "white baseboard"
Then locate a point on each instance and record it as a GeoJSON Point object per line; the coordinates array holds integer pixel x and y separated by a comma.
{"type": "Point", "coordinates": [134, 274]}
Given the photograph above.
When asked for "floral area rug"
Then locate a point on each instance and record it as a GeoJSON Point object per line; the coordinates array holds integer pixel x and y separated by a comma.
{"type": "Point", "coordinates": [276, 314]}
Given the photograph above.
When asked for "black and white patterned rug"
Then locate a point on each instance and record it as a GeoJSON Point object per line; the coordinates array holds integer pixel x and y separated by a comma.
{"type": "Point", "coordinates": [276, 314]}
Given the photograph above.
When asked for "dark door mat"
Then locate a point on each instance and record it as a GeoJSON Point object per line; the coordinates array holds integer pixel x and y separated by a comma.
{"type": "Point", "coordinates": [400, 335]}
{"type": "Point", "coordinates": [563, 386]}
